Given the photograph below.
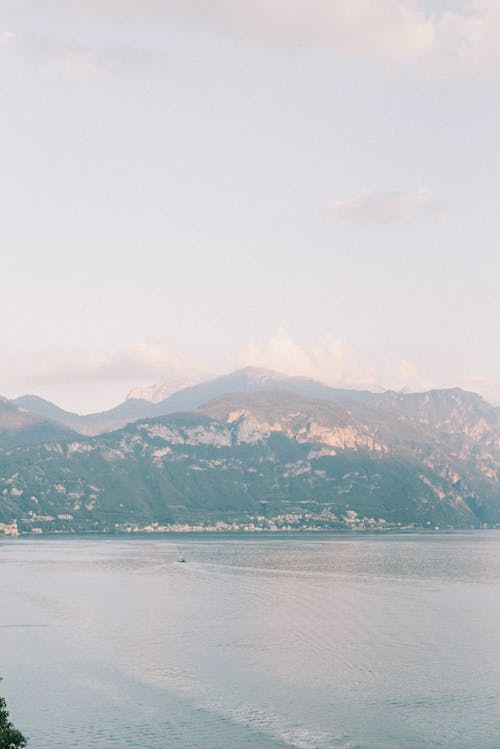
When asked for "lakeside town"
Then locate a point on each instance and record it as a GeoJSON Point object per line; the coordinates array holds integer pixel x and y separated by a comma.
{"type": "Point", "coordinates": [38, 525]}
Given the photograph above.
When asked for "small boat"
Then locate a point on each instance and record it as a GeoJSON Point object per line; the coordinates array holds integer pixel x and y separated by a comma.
{"type": "Point", "coordinates": [181, 559]}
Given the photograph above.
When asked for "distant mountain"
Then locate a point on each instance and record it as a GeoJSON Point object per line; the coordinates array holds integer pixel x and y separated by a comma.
{"type": "Point", "coordinates": [19, 426]}
{"type": "Point", "coordinates": [272, 458]}
{"type": "Point", "coordinates": [45, 408]}
{"type": "Point", "coordinates": [252, 380]}
{"type": "Point", "coordinates": [89, 424]}
{"type": "Point", "coordinates": [249, 379]}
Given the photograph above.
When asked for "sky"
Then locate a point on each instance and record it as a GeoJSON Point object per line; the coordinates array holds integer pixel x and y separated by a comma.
{"type": "Point", "coordinates": [190, 187]}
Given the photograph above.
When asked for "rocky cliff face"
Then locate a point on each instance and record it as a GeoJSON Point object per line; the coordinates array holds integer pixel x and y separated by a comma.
{"type": "Point", "coordinates": [430, 459]}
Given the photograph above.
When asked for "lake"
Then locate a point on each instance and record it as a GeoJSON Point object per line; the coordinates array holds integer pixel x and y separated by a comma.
{"type": "Point", "coordinates": [266, 642]}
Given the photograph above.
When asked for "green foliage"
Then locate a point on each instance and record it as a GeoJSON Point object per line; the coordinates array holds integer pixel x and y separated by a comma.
{"type": "Point", "coordinates": [10, 737]}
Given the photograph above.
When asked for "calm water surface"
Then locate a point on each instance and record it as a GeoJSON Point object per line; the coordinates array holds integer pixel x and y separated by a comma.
{"type": "Point", "coordinates": [353, 642]}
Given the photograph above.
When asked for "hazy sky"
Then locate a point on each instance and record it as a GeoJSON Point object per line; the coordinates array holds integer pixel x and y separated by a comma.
{"type": "Point", "coordinates": [188, 186]}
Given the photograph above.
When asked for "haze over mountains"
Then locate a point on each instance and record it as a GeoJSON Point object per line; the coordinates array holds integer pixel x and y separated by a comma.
{"type": "Point", "coordinates": [254, 447]}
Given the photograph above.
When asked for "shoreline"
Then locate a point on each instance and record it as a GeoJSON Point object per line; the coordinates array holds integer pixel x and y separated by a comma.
{"type": "Point", "coordinates": [208, 534]}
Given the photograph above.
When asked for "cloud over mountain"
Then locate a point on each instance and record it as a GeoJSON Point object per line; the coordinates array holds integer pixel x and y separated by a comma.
{"type": "Point", "coordinates": [151, 357]}
{"type": "Point", "coordinates": [327, 359]}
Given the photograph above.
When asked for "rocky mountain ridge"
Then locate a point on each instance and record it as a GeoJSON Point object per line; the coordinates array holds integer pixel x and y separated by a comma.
{"type": "Point", "coordinates": [249, 379]}
{"type": "Point", "coordinates": [266, 456]}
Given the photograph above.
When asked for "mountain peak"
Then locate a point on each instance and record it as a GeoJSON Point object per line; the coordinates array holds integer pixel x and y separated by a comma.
{"type": "Point", "coordinates": [159, 391]}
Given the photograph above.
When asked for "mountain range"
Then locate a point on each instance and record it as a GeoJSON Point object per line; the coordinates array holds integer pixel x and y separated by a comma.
{"type": "Point", "coordinates": [249, 379]}
{"type": "Point", "coordinates": [253, 449]}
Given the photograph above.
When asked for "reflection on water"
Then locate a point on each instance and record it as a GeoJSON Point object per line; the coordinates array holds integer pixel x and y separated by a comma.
{"type": "Point", "coordinates": [296, 641]}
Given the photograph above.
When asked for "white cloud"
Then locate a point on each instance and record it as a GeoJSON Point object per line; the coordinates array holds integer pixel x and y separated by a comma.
{"type": "Point", "coordinates": [386, 207]}
{"type": "Point", "coordinates": [468, 35]}
{"type": "Point", "coordinates": [87, 380]}
{"type": "Point", "coordinates": [71, 57]}
{"type": "Point", "coordinates": [405, 372]}
{"type": "Point", "coordinates": [455, 35]}
{"type": "Point", "coordinates": [328, 359]}
{"type": "Point", "coordinates": [147, 360]}
{"type": "Point", "coordinates": [389, 28]}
